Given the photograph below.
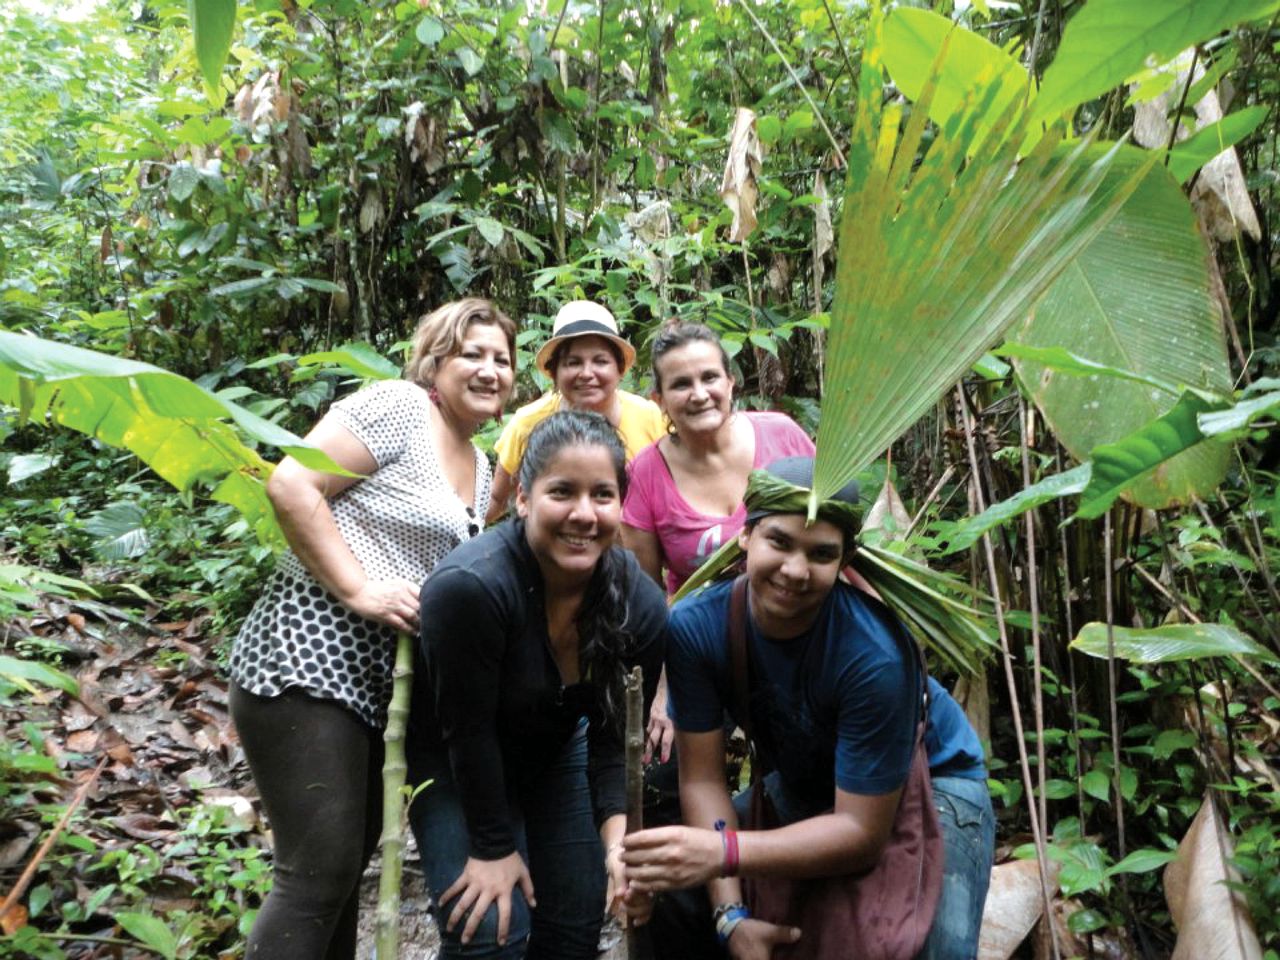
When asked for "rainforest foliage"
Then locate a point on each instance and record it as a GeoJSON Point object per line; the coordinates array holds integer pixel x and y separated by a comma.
{"type": "Point", "coordinates": [1010, 261]}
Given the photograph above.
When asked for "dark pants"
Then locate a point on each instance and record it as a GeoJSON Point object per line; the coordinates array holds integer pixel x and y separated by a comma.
{"type": "Point", "coordinates": [555, 833]}
{"type": "Point", "coordinates": [682, 928]}
{"type": "Point", "coordinates": [317, 768]}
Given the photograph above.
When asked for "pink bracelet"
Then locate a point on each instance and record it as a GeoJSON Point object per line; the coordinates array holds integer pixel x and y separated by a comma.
{"type": "Point", "coordinates": [730, 868]}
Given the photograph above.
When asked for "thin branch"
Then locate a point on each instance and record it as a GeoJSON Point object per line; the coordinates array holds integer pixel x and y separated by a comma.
{"type": "Point", "coordinates": [1071, 660]}
{"type": "Point", "coordinates": [1025, 440]}
{"type": "Point", "coordinates": [1112, 682]}
{"type": "Point", "coordinates": [928, 501]}
{"type": "Point", "coordinates": [110, 941]}
{"type": "Point", "coordinates": [796, 79]}
{"type": "Point", "coordinates": [1178, 602]}
{"type": "Point", "coordinates": [1035, 50]}
{"type": "Point", "coordinates": [24, 880]}
{"type": "Point", "coordinates": [1244, 583]}
{"type": "Point", "coordinates": [1182, 102]}
{"type": "Point", "coordinates": [848, 64]}
{"type": "Point", "coordinates": [1037, 830]}
{"type": "Point", "coordinates": [551, 44]}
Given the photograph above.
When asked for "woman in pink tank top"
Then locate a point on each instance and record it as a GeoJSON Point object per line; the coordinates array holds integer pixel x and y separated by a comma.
{"type": "Point", "coordinates": [685, 494]}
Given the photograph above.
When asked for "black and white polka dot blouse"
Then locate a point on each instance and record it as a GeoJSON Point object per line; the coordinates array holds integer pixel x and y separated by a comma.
{"type": "Point", "coordinates": [399, 522]}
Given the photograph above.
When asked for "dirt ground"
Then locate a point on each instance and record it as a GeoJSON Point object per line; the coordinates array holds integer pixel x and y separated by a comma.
{"type": "Point", "coordinates": [419, 938]}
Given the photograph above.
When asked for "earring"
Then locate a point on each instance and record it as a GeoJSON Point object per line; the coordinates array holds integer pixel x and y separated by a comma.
{"type": "Point", "coordinates": [433, 394]}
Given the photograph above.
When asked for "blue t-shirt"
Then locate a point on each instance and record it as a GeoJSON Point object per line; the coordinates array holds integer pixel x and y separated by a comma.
{"type": "Point", "coordinates": [836, 706]}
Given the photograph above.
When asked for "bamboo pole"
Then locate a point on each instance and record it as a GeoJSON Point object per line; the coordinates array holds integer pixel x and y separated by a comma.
{"type": "Point", "coordinates": [394, 809]}
{"type": "Point", "coordinates": [634, 689]}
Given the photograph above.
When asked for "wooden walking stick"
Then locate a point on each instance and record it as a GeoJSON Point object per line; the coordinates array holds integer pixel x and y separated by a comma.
{"type": "Point", "coordinates": [634, 689]}
{"type": "Point", "coordinates": [394, 808]}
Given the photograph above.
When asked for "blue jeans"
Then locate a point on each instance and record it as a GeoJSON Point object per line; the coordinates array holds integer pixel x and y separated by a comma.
{"type": "Point", "coordinates": [555, 833]}
{"type": "Point", "coordinates": [968, 837]}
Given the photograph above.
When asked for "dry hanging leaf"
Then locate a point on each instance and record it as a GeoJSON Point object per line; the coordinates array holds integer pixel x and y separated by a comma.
{"type": "Point", "coordinates": [370, 209]}
{"type": "Point", "coordinates": [244, 103]}
{"type": "Point", "coordinates": [1213, 921]}
{"type": "Point", "coordinates": [1014, 904]}
{"type": "Point", "coordinates": [823, 234]}
{"type": "Point", "coordinates": [653, 223]}
{"type": "Point", "coordinates": [297, 148]}
{"type": "Point", "coordinates": [778, 277]}
{"type": "Point", "coordinates": [1220, 195]}
{"type": "Point", "coordinates": [888, 514]}
{"type": "Point", "coordinates": [973, 694]}
{"type": "Point", "coordinates": [738, 187]}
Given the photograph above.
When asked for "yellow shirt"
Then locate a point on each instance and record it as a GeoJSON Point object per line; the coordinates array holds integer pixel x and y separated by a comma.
{"type": "Point", "coordinates": [640, 423]}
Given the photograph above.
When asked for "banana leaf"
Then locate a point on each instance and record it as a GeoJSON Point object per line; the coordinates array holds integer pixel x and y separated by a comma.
{"type": "Point", "coordinates": [185, 433]}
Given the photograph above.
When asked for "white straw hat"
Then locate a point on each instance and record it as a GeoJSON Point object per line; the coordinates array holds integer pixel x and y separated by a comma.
{"type": "Point", "coordinates": [584, 318]}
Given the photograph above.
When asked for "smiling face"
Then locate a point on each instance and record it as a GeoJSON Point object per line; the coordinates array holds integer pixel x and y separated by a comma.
{"type": "Point", "coordinates": [587, 373]}
{"type": "Point", "coordinates": [474, 383]}
{"type": "Point", "coordinates": [790, 569]}
{"type": "Point", "coordinates": [693, 388]}
{"type": "Point", "coordinates": [572, 511]}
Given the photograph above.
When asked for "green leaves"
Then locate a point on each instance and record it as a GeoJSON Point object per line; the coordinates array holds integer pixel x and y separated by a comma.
{"type": "Point", "coordinates": [27, 673]}
{"type": "Point", "coordinates": [358, 358]}
{"type": "Point", "coordinates": [212, 23]}
{"type": "Point", "coordinates": [1117, 465]}
{"type": "Point", "coordinates": [912, 39]}
{"type": "Point", "coordinates": [147, 928]}
{"type": "Point", "coordinates": [1207, 142]}
{"type": "Point", "coordinates": [183, 180]}
{"type": "Point", "coordinates": [1143, 861]}
{"type": "Point", "coordinates": [121, 529]}
{"type": "Point", "coordinates": [1136, 300]}
{"type": "Point", "coordinates": [1109, 41]}
{"type": "Point", "coordinates": [175, 426]}
{"type": "Point", "coordinates": [1050, 488]}
{"type": "Point", "coordinates": [430, 31]}
{"type": "Point", "coordinates": [1180, 641]}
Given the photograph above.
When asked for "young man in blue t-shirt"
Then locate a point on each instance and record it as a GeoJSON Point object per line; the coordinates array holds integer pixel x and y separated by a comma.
{"type": "Point", "coordinates": [833, 703]}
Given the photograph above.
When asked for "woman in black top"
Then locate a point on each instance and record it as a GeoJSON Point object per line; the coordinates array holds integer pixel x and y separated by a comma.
{"type": "Point", "coordinates": [526, 634]}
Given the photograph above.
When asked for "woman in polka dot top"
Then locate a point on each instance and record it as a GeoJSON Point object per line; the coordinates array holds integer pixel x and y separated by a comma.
{"type": "Point", "coordinates": [311, 667]}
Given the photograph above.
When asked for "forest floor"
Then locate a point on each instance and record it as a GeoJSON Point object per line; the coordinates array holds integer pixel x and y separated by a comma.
{"type": "Point", "coordinates": [172, 812]}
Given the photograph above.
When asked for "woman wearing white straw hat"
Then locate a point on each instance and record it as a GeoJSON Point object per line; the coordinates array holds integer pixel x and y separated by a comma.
{"type": "Point", "coordinates": [585, 359]}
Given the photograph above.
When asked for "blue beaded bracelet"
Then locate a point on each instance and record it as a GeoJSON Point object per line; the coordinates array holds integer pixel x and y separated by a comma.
{"type": "Point", "coordinates": [726, 921]}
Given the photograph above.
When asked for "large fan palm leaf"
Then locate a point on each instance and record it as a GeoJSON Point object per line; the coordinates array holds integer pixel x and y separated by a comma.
{"type": "Point", "coordinates": [942, 247]}
{"type": "Point", "coordinates": [939, 255]}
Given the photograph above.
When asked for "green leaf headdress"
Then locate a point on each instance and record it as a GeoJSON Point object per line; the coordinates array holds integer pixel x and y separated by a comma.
{"type": "Point", "coordinates": [925, 600]}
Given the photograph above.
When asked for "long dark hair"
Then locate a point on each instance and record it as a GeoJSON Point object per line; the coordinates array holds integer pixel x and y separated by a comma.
{"type": "Point", "coordinates": [602, 621]}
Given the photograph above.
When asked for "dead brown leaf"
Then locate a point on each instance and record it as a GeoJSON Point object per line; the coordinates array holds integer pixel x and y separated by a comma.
{"type": "Point", "coordinates": [14, 848]}
{"type": "Point", "coordinates": [1014, 904]}
{"type": "Point", "coordinates": [1220, 195]}
{"type": "Point", "coordinates": [1213, 921]}
{"type": "Point", "coordinates": [116, 747]}
{"type": "Point", "coordinates": [83, 741]}
{"type": "Point", "coordinates": [738, 187]}
{"type": "Point", "coordinates": [13, 919]}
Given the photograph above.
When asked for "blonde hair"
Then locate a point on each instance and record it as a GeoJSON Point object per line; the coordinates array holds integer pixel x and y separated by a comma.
{"type": "Point", "coordinates": [440, 334]}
